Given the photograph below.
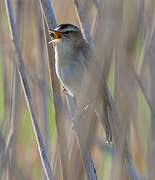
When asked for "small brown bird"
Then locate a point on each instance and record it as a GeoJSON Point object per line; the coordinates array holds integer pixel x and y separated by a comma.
{"type": "Point", "coordinates": [78, 72]}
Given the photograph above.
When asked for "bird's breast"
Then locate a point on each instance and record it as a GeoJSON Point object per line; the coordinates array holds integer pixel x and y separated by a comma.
{"type": "Point", "coordinates": [69, 71]}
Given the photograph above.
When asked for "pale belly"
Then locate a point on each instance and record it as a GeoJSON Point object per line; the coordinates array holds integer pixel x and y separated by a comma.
{"type": "Point", "coordinates": [68, 70]}
{"type": "Point", "coordinates": [70, 75]}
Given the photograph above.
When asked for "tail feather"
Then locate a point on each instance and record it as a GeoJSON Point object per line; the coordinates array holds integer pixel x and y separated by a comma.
{"type": "Point", "coordinates": [103, 116]}
{"type": "Point", "coordinates": [107, 126]}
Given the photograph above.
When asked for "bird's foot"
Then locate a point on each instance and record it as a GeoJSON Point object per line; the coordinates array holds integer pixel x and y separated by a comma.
{"type": "Point", "coordinates": [86, 107]}
{"type": "Point", "coordinates": [64, 90]}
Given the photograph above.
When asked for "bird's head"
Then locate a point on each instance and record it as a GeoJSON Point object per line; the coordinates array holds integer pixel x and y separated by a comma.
{"type": "Point", "coordinates": [66, 33]}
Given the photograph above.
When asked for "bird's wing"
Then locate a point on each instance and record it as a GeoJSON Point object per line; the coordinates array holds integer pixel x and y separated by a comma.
{"type": "Point", "coordinates": [97, 84]}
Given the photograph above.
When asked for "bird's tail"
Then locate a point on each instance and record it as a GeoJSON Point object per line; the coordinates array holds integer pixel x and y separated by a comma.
{"type": "Point", "coordinates": [102, 112]}
{"type": "Point", "coordinates": [107, 127]}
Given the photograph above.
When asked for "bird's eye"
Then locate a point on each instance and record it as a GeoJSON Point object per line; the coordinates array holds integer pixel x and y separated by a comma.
{"type": "Point", "coordinates": [67, 32]}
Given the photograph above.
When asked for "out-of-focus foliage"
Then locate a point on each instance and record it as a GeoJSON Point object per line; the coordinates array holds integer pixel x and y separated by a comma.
{"type": "Point", "coordinates": [124, 36]}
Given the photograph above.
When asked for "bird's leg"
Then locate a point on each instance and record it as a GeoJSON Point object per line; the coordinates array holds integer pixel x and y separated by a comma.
{"type": "Point", "coordinates": [80, 113]}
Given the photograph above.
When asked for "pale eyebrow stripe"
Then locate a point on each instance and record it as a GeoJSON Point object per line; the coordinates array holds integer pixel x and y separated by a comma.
{"type": "Point", "coordinates": [72, 29]}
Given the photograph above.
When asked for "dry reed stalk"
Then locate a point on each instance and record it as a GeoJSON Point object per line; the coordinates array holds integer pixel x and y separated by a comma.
{"type": "Point", "coordinates": [20, 67]}
{"type": "Point", "coordinates": [85, 155]}
{"type": "Point", "coordinates": [120, 144]}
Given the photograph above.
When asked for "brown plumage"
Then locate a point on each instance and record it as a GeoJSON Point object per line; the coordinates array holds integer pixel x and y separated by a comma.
{"type": "Point", "coordinates": [79, 73]}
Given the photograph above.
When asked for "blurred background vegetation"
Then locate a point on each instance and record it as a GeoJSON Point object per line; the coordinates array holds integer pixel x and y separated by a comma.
{"type": "Point", "coordinates": [123, 32]}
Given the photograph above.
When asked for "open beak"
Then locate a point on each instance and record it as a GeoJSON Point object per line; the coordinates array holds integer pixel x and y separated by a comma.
{"type": "Point", "coordinates": [56, 36]}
